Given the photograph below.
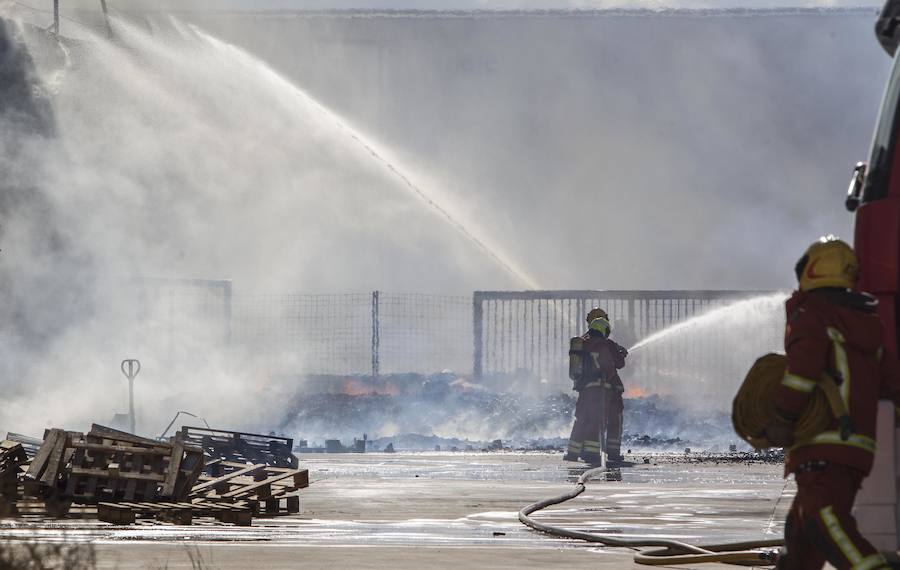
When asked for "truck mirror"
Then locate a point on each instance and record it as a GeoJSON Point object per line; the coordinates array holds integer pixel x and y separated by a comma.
{"type": "Point", "coordinates": [886, 28]}
{"type": "Point", "coordinates": [854, 192]}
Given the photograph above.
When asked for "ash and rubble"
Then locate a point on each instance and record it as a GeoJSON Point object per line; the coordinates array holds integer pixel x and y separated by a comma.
{"type": "Point", "coordinates": [445, 412]}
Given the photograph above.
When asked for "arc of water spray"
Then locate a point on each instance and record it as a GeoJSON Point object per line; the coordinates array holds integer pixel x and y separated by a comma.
{"type": "Point", "coordinates": [381, 156]}
{"type": "Point", "coordinates": [703, 318]}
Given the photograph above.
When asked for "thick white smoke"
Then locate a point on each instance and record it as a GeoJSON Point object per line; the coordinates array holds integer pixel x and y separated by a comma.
{"type": "Point", "coordinates": [166, 153]}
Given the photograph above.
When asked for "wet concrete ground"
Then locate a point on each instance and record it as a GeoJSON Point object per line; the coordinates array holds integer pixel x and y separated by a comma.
{"type": "Point", "coordinates": [437, 510]}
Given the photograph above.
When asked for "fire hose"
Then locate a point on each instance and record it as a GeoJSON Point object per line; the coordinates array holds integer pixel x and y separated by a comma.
{"type": "Point", "coordinates": [670, 551]}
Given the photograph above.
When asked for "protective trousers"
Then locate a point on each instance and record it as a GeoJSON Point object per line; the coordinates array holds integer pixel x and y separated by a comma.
{"type": "Point", "coordinates": [585, 438]}
{"type": "Point", "coordinates": [819, 526]}
{"type": "Point", "coordinates": [615, 408]}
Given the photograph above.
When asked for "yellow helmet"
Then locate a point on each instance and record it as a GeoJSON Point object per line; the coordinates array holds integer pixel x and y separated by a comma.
{"type": "Point", "coordinates": [829, 262]}
{"type": "Point", "coordinates": [596, 313]}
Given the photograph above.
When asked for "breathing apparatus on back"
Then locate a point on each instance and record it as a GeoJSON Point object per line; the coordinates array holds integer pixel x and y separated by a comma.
{"type": "Point", "coordinates": [581, 367]}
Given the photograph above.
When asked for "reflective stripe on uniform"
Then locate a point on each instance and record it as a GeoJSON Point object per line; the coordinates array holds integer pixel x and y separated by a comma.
{"type": "Point", "coordinates": [839, 537]}
{"type": "Point", "coordinates": [575, 446]}
{"type": "Point", "coordinates": [798, 383]}
{"type": "Point", "coordinates": [592, 446]}
{"type": "Point", "coordinates": [592, 384]}
{"type": "Point", "coordinates": [834, 437]}
{"type": "Point", "coordinates": [871, 562]}
{"type": "Point", "coordinates": [840, 360]}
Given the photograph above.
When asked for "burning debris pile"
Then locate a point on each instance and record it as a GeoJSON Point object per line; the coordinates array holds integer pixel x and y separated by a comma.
{"type": "Point", "coordinates": [119, 477]}
{"type": "Point", "coordinates": [420, 413]}
{"type": "Point", "coordinates": [658, 423]}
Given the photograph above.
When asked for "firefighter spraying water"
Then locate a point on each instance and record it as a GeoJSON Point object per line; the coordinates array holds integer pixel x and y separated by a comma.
{"type": "Point", "coordinates": [594, 359]}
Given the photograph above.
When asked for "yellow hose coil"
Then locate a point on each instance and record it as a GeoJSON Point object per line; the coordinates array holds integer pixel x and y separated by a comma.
{"type": "Point", "coordinates": [754, 404]}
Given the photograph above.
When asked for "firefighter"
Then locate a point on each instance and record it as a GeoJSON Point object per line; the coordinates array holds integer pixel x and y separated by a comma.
{"type": "Point", "coordinates": [832, 334]}
{"type": "Point", "coordinates": [594, 360]}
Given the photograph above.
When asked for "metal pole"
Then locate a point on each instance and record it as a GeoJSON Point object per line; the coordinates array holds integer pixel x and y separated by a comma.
{"type": "Point", "coordinates": [477, 335]}
{"type": "Point", "coordinates": [376, 341]}
{"type": "Point", "coordinates": [130, 368]}
{"type": "Point", "coordinates": [56, 17]}
{"type": "Point", "coordinates": [131, 403]}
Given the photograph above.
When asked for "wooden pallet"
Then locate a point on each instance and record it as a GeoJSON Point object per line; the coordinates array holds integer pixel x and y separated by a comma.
{"type": "Point", "coordinates": [110, 465]}
{"type": "Point", "coordinates": [183, 513]}
{"type": "Point", "coordinates": [262, 485]}
{"type": "Point", "coordinates": [242, 447]}
{"type": "Point", "coordinates": [29, 444]}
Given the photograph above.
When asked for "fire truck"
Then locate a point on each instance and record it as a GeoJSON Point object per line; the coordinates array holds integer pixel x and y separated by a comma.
{"type": "Point", "coordinates": [874, 197]}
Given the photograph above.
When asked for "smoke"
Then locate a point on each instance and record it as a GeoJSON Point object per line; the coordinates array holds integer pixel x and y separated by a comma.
{"type": "Point", "coordinates": [610, 151]}
{"type": "Point", "coordinates": [607, 151]}
{"type": "Point", "coordinates": [166, 153]}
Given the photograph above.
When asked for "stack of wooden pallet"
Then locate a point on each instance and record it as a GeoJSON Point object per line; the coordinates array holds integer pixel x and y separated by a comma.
{"type": "Point", "coordinates": [258, 469]}
{"type": "Point", "coordinates": [107, 464]}
{"type": "Point", "coordinates": [121, 478]}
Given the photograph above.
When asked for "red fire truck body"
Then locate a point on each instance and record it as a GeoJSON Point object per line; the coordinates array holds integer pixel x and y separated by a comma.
{"type": "Point", "coordinates": [874, 196]}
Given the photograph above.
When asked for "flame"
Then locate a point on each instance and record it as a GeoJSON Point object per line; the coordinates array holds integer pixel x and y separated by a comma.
{"type": "Point", "coordinates": [636, 393]}
{"type": "Point", "coordinates": [360, 387]}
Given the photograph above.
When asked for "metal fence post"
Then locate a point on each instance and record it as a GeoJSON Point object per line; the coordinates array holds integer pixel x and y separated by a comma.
{"type": "Point", "coordinates": [477, 335]}
{"type": "Point", "coordinates": [376, 329]}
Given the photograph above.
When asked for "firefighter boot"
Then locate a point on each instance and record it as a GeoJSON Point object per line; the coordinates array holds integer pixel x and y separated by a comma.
{"type": "Point", "coordinates": [573, 451]}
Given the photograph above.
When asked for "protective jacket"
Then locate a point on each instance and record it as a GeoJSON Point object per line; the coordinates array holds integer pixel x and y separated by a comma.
{"type": "Point", "coordinates": [836, 332]}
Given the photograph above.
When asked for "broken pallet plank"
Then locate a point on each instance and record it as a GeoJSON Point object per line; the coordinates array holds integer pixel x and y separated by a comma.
{"type": "Point", "coordinates": [107, 474]}
{"type": "Point", "coordinates": [210, 485]}
{"type": "Point", "coordinates": [263, 486]}
{"type": "Point", "coordinates": [36, 469]}
{"type": "Point", "coordinates": [174, 469]}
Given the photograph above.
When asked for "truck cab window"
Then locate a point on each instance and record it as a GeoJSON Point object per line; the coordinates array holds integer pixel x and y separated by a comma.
{"type": "Point", "coordinates": [880, 157]}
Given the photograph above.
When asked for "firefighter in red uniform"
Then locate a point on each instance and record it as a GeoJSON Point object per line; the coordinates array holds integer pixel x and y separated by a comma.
{"type": "Point", "coordinates": [832, 335]}
{"type": "Point", "coordinates": [600, 391]}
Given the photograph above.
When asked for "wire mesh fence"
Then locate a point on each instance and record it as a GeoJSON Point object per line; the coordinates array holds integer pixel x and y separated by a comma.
{"type": "Point", "coordinates": [377, 333]}
{"type": "Point", "coordinates": [491, 336]}
{"type": "Point", "coordinates": [305, 334]}
{"type": "Point", "coordinates": [424, 333]}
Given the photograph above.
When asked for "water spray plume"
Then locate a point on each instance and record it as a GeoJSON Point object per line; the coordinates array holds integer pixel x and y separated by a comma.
{"type": "Point", "coordinates": [712, 318]}
{"type": "Point", "coordinates": [384, 158]}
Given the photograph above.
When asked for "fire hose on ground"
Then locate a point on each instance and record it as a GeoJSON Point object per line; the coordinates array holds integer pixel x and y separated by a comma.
{"type": "Point", "coordinates": [669, 551]}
